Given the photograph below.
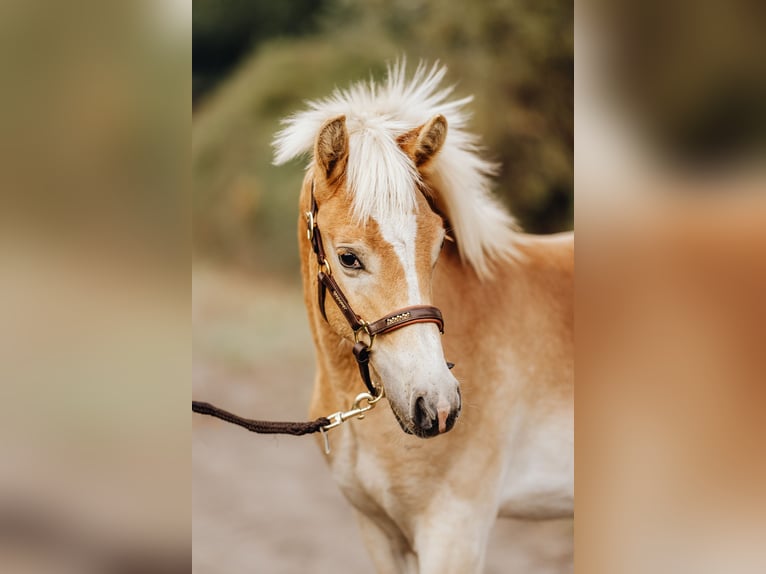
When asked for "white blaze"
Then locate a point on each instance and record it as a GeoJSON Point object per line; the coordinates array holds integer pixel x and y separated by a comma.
{"type": "Point", "coordinates": [401, 233]}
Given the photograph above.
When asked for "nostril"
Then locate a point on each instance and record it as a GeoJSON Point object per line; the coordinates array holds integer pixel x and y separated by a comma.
{"type": "Point", "coordinates": [421, 415]}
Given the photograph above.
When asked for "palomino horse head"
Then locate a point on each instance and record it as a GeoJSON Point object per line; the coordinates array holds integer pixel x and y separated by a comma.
{"type": "Point", "coordinates": [385, 261]}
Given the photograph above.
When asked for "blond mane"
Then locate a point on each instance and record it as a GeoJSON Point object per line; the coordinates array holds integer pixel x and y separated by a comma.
{"type": "Point", "coordinates": [381, 176]}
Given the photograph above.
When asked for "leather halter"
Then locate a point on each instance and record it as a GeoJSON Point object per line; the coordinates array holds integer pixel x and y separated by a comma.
{"type": "Point", "coordinates": [391, 322]}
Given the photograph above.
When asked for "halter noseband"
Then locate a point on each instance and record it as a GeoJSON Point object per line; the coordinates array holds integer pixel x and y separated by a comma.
{"type": "Point", "coordinates": [391, 322]}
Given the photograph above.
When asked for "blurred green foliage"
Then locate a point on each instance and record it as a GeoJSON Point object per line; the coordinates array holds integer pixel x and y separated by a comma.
{"type": "Point", "coordinates": [225, 29]}
{"type": "Point", "coordinates": [514, 56]}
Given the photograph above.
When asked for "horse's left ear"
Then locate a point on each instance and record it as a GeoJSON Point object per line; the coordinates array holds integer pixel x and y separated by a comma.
{"type": "Point", "coordinates": [424, 142]}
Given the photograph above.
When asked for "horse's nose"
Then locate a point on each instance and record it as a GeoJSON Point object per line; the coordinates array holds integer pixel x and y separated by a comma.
{"type": "Point", "coordinates": [431, 420]}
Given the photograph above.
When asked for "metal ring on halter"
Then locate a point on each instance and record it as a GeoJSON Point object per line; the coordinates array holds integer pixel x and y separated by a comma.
{"type": "Point", "coordinates": [325, 267]}
{"type": "Point", "coordinates": [365, 326]}
{"type": "Point", "coordinates": [310, 225]}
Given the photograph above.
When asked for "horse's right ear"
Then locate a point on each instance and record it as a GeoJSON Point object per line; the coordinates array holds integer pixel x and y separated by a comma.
{"type": "Point", "coordinates": [331, 148]}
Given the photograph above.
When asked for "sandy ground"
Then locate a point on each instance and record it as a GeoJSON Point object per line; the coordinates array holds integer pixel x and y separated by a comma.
{"type": "Point", "coordinates": [267, 504]}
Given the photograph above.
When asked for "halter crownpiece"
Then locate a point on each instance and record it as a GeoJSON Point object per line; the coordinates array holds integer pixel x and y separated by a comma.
{"type": "Point", "coordinates": [391, 322]}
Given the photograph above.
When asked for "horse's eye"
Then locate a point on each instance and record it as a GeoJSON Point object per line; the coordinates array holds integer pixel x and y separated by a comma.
{"type": "Point", "coordinates": [350, 261]}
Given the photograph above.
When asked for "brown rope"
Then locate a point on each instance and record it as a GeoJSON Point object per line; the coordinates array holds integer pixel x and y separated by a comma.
{"type": "Point", "coordinates": [261, 427]}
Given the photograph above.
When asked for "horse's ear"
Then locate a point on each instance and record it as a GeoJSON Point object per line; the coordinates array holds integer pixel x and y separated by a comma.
{"type": "Point", "coordinates": [424, 142]}
{"type": "Point", "coordinates": [331, 148]}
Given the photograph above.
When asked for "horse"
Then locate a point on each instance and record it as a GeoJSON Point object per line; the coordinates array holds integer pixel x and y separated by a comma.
{"type": "Point", "coordinates": [399, 196]}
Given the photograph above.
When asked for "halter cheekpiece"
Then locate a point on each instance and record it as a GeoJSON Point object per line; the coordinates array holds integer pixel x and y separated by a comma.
{"type": "Point", "coordinates": [391, 322]}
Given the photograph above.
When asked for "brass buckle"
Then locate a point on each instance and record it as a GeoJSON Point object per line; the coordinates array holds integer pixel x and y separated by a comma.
{"type": "Point", "coordinates": [365, 327]}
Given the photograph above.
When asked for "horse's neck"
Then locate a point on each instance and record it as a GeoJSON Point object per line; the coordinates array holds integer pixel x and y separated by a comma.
{"type": "Point", "coordinates": [337, 380]}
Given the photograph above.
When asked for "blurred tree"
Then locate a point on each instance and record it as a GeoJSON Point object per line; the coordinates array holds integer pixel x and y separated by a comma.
{"type": "Point", "coordinates": [515, 56]}
{"type": "Point", "coordinates": [225, 30]}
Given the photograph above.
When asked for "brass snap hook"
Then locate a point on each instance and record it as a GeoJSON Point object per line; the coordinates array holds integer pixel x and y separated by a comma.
{"type": "Point", "coordinates": [357, 410]}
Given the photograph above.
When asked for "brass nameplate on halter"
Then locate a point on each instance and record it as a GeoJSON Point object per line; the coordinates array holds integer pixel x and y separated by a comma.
{"type": "Point", "coordinates": [397, 318]}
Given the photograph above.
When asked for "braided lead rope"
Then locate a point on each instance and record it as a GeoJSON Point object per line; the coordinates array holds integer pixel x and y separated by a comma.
{"type": "Point", "coordinates": [261, 427]}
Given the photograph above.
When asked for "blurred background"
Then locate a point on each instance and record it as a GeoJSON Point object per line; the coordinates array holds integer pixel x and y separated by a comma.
{"type": "Point", "coordinates": [268, 504]}
{"type": "Point", "coordinates": [98, 183]}
{"type": "Point", "coordinates": [94, 293]}
{"type": "Point", "coordinates": [670, 156]}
